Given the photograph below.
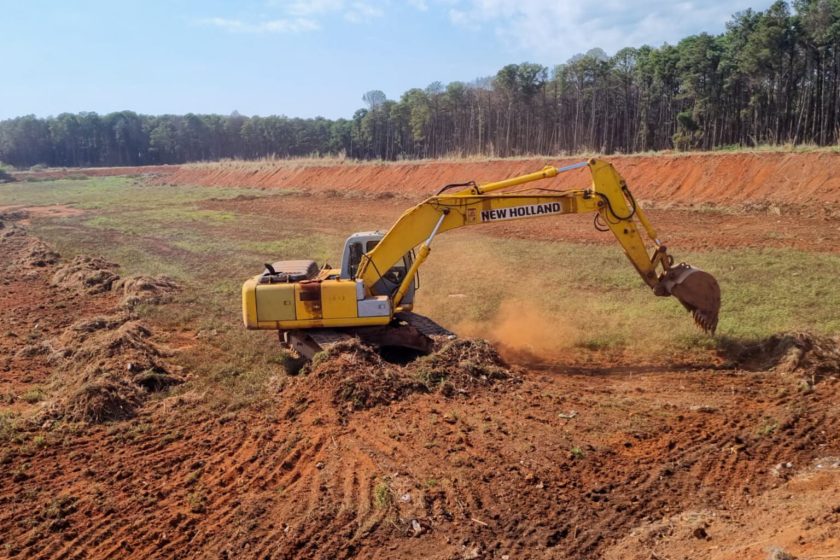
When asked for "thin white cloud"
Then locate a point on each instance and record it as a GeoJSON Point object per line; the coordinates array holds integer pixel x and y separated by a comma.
{"type": "Point", "coordinates": [421, 5]}
{"type": "Point", "coordinates": [311, 7]}
{"type": "Point", "coordinates": [561, 28]}
{"type": "Point", "coordinates": [355, 11]}
{"type": "Point", "coordinates": [282, 25]}
{"type": "Point", "coordinates": [361, 12]}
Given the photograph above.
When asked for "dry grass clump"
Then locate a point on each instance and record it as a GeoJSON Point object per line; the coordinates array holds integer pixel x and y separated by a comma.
{"type": "Point", "coordinates": [461, 364]}
{"type": "Point", "coordinates": [804, 353]}
{"type": "Point", "coordinates": [10, 231]}
{"type": "Point", "coordinates": [110, 364]}
{"type": "Point", "coordinates": [99, 401]}
{"type": "Point", "coordinates": [145, 289]}
{"type": "Point", "coordinates": [41, 255]}
{"type": "Point", "coordinates": [32, 252]}
{"type": "Point", "coordinates": [359, 378]}
{"type": "Point", "coordinates": [13, 215]}
{"type": "Point", "coordinates": [91, 275]}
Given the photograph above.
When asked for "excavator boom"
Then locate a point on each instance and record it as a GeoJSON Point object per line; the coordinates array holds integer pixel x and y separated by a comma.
{"type": "Point", "coordinates": [608, 197]}
{"type": "Point", "coordinates": [375, 286]}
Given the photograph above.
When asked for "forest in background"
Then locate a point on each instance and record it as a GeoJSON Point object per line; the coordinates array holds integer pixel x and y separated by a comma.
{"type": "Point", "coordinates": [773, 77]}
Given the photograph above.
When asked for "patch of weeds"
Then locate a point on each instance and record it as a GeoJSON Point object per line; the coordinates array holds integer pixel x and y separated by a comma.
{"type": "Point", "coordinates": [290, 363]}
{"type": "Point", "coordinates": [8, 427]}
{"type": "Point", "coordinates": [33, 396]}
{"type": "Point", "coordinates": [383, 497]}
{"type": "Point", "coordinates": [197, 501]}
{"type": "Point", "coordinates": [39, 441]}
{"type": "Point", "coordinates": [138, 430]}
{"type": "Point", "coordinates": [769, 426]}
{"type": "Point", "coordinates": [193, 477]}
{"type": "Point", "coordinates": [172, 437]}
{"type": "Point", "coordinates": [60, 507]}
{"type": "Point", "coordinates": [576, 453]}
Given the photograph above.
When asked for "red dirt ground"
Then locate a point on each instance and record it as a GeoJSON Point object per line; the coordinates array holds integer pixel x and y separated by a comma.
{"type": "Point", "coordinates": [598, 456]}
{"type": "Point", "coordinates": [805, 178]}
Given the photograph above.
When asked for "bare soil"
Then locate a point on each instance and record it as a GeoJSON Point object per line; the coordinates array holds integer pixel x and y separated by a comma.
{"type": "Point", "coordinates": [732, 455]}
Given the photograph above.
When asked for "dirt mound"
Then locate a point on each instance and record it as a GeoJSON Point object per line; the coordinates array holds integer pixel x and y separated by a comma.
{"type": "Point", "coordinates": [13, 215]}
{"type": "Point", "coordinates": [99, 401]}
{"type": "Point", "coordinates": [460, 365]}
{"type": "Point", "coordinates": [22, 252]}
{"type": "Point", "coordinates": [359, 378]}
{"type": "Point", "coordinates": [41, 255]}
{"type": "Point", "coordinates": [110, 364]}
{"type": "Point", "coordinates": [33, 252]}
{"type": "Point", "coordinates": [145, 289]}
{"type": "Point", "coordinates": [86, 274]}
{"type": "Point", "coordinates": [804, 353]}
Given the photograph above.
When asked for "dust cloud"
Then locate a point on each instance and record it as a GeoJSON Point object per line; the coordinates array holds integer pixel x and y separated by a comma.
{"type": "Point", "coordinates": [522, 330]}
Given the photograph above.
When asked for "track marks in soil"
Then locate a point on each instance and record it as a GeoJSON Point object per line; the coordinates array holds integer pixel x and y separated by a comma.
{"type": "Point", "coordinates": [493, 472]}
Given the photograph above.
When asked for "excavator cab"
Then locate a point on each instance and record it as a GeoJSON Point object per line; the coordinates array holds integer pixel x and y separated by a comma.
{"type": "Point", "coordinates": [363, 242]}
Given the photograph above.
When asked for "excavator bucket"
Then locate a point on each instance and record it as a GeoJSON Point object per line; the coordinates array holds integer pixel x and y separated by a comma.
{"type": "Point", "coordinates": [697, 290]}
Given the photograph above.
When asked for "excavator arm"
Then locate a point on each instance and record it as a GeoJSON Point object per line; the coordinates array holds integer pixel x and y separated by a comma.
{"type": "Point", "coordinates": [608, 197]}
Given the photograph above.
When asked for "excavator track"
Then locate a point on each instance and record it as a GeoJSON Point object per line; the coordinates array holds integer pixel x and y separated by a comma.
{"type": "Point", "coordinates": [409, 331]}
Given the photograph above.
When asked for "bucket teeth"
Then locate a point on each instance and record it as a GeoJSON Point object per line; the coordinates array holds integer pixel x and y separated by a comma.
{"type": "Point", "coordinates": [697, 290]}
{"type": "Point", "coordinates": [707, 322]}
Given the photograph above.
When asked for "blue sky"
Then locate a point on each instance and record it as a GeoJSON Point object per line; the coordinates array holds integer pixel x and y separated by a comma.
{"type": "Point", "coordinates": [302, 58]}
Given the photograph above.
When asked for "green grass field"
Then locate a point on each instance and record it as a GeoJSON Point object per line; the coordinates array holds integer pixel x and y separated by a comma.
{"type": "Point", "coordinates": [588, 295]}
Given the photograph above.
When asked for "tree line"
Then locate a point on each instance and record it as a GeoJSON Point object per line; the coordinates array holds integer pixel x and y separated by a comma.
{"type": "Point", "coordinates": [772, 77]}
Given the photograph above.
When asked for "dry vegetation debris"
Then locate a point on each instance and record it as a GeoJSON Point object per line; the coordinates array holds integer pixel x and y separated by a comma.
{"type": "Point", "coordinates": [87, 274]}
{"type": "Point", "coordinates": [94, 275]}
{"type": "Point", "coordinates": [358, 378]}
{"type": "Point", "coordinates": [34, 252]}
{"type": "Point", "coordinates": [145, 289]}
{"type": "Point", "coordinates": [812, 355]}
{"type": "Point", "coordinates": [105, 366]}
{"type": "Point", "coordinates": [109, 365]}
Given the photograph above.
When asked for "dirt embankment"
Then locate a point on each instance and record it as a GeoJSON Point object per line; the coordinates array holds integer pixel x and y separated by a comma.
{"type": "Point", "coordinates": [801, 178]}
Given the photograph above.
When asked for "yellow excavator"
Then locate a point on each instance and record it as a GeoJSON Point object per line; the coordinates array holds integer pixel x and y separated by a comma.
{"type": "Point", "coordinates": [372, 295]}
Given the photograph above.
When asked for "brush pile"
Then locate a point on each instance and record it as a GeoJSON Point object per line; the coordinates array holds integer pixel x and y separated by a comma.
{"type": "Point", "coordinates": [803, 353]}
{"type": "Point", "coordinates": [145, 289]}
{"type": "Point", "coordinates": [86, 274]}
{"type": "Point", "coordinates": [30, 251]}
{"type": "Point", "coordinates": [358, 378]}
{"type": "Point", "coordinates": [104, 366]}
{"type": "Point", "coordinates": [109, 365]}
